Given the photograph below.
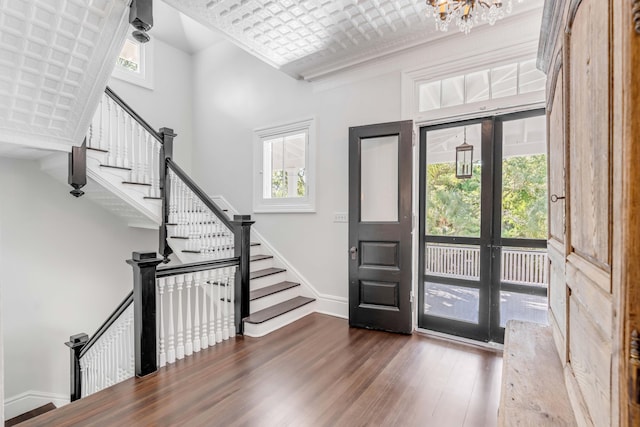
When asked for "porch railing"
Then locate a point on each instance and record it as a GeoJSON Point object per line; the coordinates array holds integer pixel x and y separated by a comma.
{"type": "Point", "coordinates": [517, 265]}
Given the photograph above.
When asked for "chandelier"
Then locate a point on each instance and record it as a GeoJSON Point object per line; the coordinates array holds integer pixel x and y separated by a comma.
{"type": "Point", "coordinates": [467, 13]}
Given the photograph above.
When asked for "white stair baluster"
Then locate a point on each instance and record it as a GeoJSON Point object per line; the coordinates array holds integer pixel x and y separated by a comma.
{"type": "Point", "coordinates": [146, 163]}
{"type": "Point", "coordinates": [100, 142]}
{"type": "Point", "coordinates": [219, 280]}
{"type": "Point", "coordinates": [225, 327]}
{"type": "Point", "coordinates": [162, 355]}
{"type": "Point", "coordinates": [125, 138]}
{"type": "Point", "coordinates": [232, 298]}
{"type": "Point", "coordinates": [171, 349]}
{"type": "Point", "coordinates": [110, 142]}
{"type": "Point", "coordinates": [134, 144]}
{"type": "Point", "coordinates": [196, 314]}
{"type": "Point", "coordinates": [210, 277]}
{"type": "Point", "coordinates": [188, 348]}
{"type": "Point", "coordinates": [180, 324]}
{"type": "Point", "coordinates": [117, 138]}
{"type": "Point", "coordinates": [204, 338]}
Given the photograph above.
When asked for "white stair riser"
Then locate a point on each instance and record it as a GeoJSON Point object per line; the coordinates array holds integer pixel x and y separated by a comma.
{"type": "Point", "coordinates": [278, 297]}
{"type": "Point", "coordinates": [268, 280]}
{"type": "Point", "coordinates": [261, 265]}
{"type": "Point", "coordinates": [264, 328]}
{"type": "Point", "coordinates": [256, 250]}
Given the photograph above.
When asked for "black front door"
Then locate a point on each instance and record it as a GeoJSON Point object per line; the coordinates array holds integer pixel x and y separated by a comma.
{"type": "Point", "coordinates": [483, 234]}
{"type": "Point", "coordinates": [380, 219]}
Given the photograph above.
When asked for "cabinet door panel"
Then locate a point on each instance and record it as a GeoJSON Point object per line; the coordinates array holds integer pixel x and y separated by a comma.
{"type": "Point", "coordinates": [590, 133]}
{"type": "Point", "coordinates": [557, 163]}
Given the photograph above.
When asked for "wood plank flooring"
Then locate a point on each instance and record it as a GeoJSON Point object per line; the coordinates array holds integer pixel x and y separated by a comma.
{"type": "Point", "coordinates": [314, 372]}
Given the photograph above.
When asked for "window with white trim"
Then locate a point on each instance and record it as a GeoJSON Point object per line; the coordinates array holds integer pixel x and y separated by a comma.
{"type": "Point", "coordinates": [284, 168]}
{"type": "Point", "coordinates": [134, 64]}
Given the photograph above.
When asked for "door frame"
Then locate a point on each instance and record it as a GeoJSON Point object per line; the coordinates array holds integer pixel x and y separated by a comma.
{"type": "Point", "coordinates": [490, 241]}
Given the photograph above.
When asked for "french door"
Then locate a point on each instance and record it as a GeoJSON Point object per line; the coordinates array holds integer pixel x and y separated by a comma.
{"type": "Point", "coordinates": [483, 225]}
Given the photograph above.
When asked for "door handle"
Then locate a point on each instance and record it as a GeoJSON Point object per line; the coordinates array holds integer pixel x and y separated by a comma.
{"type": "Point", "coordinates": [354, 252]}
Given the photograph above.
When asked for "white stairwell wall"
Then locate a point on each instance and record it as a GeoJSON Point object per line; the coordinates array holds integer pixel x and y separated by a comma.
{"type": "Point", "coordinates": [62, 271]}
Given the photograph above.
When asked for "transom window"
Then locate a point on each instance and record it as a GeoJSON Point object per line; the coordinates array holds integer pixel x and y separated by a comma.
{"type": "Point", "coordinates": [283, 177]}
{"type": "Point", "coordinates": [493, 83]}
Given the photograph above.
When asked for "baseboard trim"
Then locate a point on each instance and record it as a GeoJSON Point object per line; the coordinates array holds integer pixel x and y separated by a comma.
{"type": "Point", "coordinates": [29, 400]}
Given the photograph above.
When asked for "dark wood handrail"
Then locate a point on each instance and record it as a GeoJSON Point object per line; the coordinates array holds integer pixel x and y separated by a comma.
{"type": "Point", "coordinates": [107, 324]}
{"type": "Point", "coordinates": [111, 94]}
{"type": "Point", "coordinates": [200, 193]}
{"type": "Point", "coordinates": [193, 267]}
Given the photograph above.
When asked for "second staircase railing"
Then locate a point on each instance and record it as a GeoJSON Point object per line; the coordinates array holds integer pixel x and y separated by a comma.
{"type": "Point", "coordinates": [176, 310]}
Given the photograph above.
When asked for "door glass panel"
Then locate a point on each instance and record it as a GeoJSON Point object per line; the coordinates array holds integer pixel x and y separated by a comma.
{"type": "Point", "coordinates": [516, 306]}
{"type": "Point", "coordinates": [379, 179]}
{"type": "Point", "coordinates": [531, 79]}
{"type": "Point", "coordinates": [504, 81]}
{"type": "Point", "coordinates": [452, 91]}
{"type": "Point", "coordinates": [429, 96]}
{"type": "Point", "coordinates": [524, 178]}
{"type": "Point", "coordinates": [452, 302]}
{"type": "Point", "coordinates": [453, 204]}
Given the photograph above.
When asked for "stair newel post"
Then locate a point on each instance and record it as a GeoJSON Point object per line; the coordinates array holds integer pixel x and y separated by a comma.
{"type": "Point", "coordinates": [76, 343]}
{"type": "Point", "coordinates": [144, 311]}
{"type": "Point", "coordinates": [242, 248]}
{"type": "Point", "coordinates": [166, 152]}
{"type": "Point", "coordinates": [78, 169]}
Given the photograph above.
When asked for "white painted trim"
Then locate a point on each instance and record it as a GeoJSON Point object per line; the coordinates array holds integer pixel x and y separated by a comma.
{"type": "Point", "coordinates": [492, 346]}
{"type": "Point", "coordinates": [305, 204]}
{"type": "Point", "coordinates": [326, 304]}
{"type": "Point", "coordinates": [29, 400]}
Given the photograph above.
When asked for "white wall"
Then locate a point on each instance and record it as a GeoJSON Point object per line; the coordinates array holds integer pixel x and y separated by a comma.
{"type": "Point", "coordinates": [236, 94]}
{"type": "Point", "coordinates": [169, 103]}
{"type": "Point", "coordinates": [62, 272]}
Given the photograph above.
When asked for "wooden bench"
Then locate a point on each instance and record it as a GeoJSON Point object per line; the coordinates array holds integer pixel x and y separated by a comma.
{"type": "Point", "coordinates": [533, 388]}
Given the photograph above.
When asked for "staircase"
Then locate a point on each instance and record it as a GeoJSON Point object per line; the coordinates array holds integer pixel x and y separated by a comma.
{"type": "Point", "coordinates": [121, 154]}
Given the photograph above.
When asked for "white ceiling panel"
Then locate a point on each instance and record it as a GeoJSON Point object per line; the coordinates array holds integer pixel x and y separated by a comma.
{"type": "Point", "coordinates": [310, 37]}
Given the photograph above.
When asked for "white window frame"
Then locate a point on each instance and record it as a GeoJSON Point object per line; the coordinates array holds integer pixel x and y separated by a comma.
{"type": "Point", "coordinates": [145, 76]}
{"type": "Point", "coordinates": [304, 204]}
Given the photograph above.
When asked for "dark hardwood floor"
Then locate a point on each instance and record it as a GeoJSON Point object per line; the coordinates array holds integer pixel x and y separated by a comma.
{"type": "Point", "coordinates": [314, 372]}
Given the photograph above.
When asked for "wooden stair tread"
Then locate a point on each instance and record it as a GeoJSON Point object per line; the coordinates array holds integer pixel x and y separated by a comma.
{"type": "Point", "coordinates": [278, 309]}
{"type": "Point", "coordinates": [116, 167]}
{"type": "Point", "coordinates": [255, 243]}
{"type": "Point", "coordinates": [30, 414]}
{"type": "Point", "coordinates": [152, 198]}
{"type": "Point", "coordinates": [265, 272]}
{"type": "Point", "coordinates": [260, 257]}
{"type": "Point", "coordinates": [136, 183]}
{"type": "Point", "coordinates": [97, 149]}
{"type": "Point", "coordinates": [270, 290]}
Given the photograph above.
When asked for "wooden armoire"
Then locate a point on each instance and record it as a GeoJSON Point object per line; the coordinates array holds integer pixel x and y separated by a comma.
{"type": "Point", "coordinates": [590, 50]}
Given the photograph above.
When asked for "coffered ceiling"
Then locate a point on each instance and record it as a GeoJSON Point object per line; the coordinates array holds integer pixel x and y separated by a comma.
{"type": "Point", "coordinates": [307, 38]}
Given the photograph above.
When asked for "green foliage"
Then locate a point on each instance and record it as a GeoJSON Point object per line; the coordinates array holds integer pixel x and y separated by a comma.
{"type": "Point", "coordinates": [453, 205]}
{"type": "Point", "coordinates": [524, 197]}
{"type": "Point", "coordinates": [280, 183]}
{"type": "Point", "coordinates": [302, 183]}
{"type": "Point", "coordinates": [130, 65]}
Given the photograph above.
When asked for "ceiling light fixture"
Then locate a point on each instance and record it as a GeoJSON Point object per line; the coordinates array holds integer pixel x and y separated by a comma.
{"type": "Point", "coordinates": [467, 13]}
